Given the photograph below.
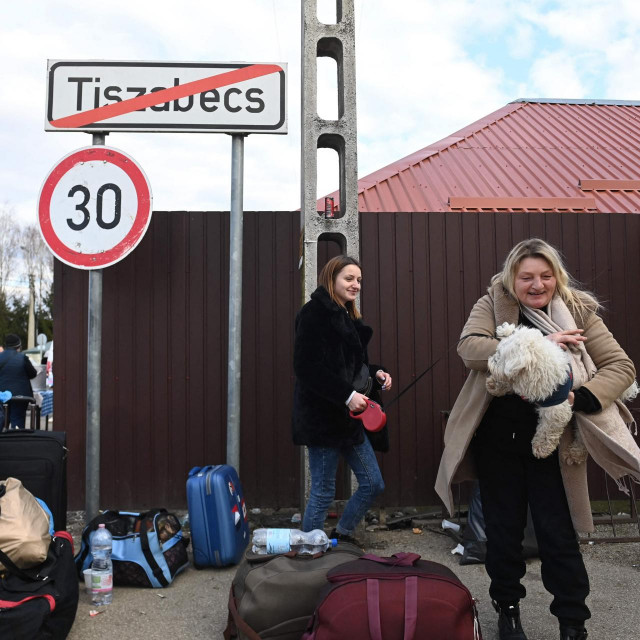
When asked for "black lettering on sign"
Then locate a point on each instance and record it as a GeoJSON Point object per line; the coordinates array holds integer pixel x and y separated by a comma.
{"type": "Point", "coordinates": [227, 102]}
{"type": "Point", "coordinates": [160, 107]}
{"type": "Point", "coordinates": [117, 208]}
{"type": "Point", "coordinates": [176, 103]}
{"type": "Point", "coordinates": [110, 93]}
{"type": "Point", "coordinates": [80, 82]}
{"type": "Point", "coordinates": [139, 91]}
{"type": "Point", "coordinates": [258, 101]}
{"type": "Point", "coordinates": [82, 206]}
{"type": "Point", "coordinates": [205, 99]}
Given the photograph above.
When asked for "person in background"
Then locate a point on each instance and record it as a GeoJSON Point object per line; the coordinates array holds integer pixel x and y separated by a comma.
{"type": "Point", "coordinates": [490, 437]}
{"type": "Point", "coordinates": [16, 372]}
{"type": "Point", "coordinates": [333, 377]}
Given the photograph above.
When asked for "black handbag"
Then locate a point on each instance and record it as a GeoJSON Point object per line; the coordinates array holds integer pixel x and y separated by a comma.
{"type": "Point", "coordinates": [362, 381]}
{"type": "Point", "coordinates": [40, 602]}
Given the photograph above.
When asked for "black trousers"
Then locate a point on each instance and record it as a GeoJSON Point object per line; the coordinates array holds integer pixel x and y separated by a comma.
{"type": "Point", "coordinates": [510, 478]}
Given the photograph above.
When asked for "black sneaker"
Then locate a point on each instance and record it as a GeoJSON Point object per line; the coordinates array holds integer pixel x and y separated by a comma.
{"type": "Point", "coordinates": [343, 537]}
{"type": "Point", "coordinates": [573, 633]}
{"type": "Point", "coordinates": [509, 627]}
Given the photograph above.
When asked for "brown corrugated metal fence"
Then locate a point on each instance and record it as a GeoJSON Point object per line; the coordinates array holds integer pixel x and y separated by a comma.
{"type": "Point", "coordinates": [165, 341]}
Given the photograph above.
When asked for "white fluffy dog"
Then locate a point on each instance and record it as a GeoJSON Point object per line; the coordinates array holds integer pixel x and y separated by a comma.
{"type": "Point", "coordinates": [533, 367]}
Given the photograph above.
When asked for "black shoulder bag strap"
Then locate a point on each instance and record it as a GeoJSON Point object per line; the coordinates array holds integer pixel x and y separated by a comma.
{"type": "Point", "coordinates": [13, 568]}
{"type": "Point", "coordinates": [149, 517]}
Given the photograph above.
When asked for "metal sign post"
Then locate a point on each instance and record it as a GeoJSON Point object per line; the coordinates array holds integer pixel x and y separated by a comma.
{"type": "Point", "coordinates": [94, 361]}
{"type": "Point", "coordinates": [94, 208]}
{"type": "Point", "coordinates": [235, 303]}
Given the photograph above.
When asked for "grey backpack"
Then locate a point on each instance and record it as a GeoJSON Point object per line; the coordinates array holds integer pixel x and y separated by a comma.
{"type": "Point", "coordinates": [274, 596]}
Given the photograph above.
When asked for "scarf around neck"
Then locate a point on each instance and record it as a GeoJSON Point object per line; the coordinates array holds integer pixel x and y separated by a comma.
{"type": "Point", "coordinates": [559, 318]}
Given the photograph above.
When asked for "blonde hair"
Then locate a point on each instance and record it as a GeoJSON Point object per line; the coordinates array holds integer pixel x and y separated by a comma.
{"type": "Point", "coordinates": [578, 300]}
{"type": "Point", "coordinates": [327, 279]}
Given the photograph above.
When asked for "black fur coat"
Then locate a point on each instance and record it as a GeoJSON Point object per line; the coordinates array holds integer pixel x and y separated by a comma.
{"type": "Point", "coordinates": [329, 348]}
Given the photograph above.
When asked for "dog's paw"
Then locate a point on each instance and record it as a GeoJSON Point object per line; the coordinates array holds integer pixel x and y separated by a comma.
{"type": "Point", "coordinates": [496, 387]}
{"type": "Point", "coordinates": [630, 394]}
{"type": "Point", "coordinates": [542, 447]}
{"type": "Point", "coordinates": [505, 329]}
{"type": "Point", "coordinates": [551, 425]}
{"type": "Point", "coordinates": [576, 453]}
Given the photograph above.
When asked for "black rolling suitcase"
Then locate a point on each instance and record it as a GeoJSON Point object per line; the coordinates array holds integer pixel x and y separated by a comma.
{"type": "Point", "coordinates": [39, 460]}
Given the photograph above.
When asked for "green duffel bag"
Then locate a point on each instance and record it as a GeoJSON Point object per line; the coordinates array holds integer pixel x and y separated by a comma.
{"type": "Point", "coordinates": [273, 596]}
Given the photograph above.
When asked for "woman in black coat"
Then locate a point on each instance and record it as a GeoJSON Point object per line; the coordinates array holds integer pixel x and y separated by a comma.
{"type": "Point", "coordinates": [333, 376]}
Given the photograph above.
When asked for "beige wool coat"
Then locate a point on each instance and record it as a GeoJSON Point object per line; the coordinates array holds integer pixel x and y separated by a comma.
{"type": "Point", "coordinates": [615, 373]}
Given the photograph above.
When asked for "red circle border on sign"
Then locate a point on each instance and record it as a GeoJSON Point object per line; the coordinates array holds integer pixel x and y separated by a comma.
{"type": "Point", "coordinates": [140, 224]}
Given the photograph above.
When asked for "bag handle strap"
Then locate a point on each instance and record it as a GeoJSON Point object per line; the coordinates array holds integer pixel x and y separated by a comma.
{"type": "Point", "coordinates": [236, 623]}
{"type": "Point", "coordinates": [410, 608]}
{"type": "Point", "coordinates": [12, 568]}
{"type": "Point", "coordinates": [400, 559]}
{"type": "Point", "coordinates": [149, 517]}
{"type": "Point", "coordinates": [373, 609]}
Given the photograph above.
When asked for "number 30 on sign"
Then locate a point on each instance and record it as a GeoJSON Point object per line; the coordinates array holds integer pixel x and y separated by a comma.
{"type": "Point", "coordinates": [94, 207]}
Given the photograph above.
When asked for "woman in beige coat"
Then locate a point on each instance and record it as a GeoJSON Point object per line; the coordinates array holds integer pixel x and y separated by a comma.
{"type": "Point", "coordinates": [490, 438]}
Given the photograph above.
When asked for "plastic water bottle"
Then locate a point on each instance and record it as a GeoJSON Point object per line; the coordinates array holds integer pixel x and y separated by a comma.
{"type": "Point", "coordinates": [267, 541]}
{"type": "Point", "coordinates": [101, 567]}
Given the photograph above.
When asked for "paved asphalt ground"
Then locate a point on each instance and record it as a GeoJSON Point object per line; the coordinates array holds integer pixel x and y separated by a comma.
{"type": "Point", "coordinates": [195, 605]}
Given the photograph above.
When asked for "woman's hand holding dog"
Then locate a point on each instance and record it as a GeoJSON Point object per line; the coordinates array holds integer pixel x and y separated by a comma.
{"type": "Point", "coordinates": [571, 337]}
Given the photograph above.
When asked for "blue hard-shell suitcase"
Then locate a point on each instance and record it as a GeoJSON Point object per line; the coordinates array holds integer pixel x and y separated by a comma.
{"type": "Point", "coordinates": [217, 516]}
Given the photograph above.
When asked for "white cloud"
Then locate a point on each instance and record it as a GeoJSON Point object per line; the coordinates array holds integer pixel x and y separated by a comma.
{"type": "Point", "coordinates": [555, 76]}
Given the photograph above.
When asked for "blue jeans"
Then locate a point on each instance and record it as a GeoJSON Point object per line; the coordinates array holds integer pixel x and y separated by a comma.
{"type": "Point", "coordinates": [323, 463]}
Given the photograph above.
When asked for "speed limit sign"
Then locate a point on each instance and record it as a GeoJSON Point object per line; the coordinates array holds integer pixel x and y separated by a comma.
{"type": "Point", "coordinates": [94, 207]}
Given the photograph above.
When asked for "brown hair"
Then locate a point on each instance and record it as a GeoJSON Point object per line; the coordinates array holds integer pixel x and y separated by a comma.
{"type": "Point", "coordinates": [579, 301]}
{"type": "Point", "coordinates": [327, 279]}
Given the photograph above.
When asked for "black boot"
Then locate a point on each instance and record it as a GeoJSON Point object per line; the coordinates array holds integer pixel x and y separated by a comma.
{"type": "Point", "coordinates": [572, 633]}
{"type": "Point", "coordinates": [509, 627]}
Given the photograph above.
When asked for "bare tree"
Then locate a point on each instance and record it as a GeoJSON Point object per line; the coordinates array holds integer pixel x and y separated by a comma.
{"type": "Point", "coordinates": [38, 262]}
{"type": "Point", "coordinates": [9, 246]}
{"type": "Point", "coordinates": [38, 265]}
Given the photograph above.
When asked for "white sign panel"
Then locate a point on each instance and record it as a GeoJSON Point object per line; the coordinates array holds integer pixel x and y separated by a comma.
{"type": "Point", "coordinates": [94, 207]}
{"type": "Point", "coordinates": [166, 96]}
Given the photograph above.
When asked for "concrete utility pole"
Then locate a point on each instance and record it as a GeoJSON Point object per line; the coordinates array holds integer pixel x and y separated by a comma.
{"type": "Point", "coordinates": [335, 41]}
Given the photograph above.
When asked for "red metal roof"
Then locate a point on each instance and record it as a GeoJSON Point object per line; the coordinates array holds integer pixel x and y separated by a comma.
{"type": "Point", "coordinates": [530, 155]}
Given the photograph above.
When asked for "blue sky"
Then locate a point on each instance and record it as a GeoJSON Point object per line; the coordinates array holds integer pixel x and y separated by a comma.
{"type": "Point", "coordinates": [425, 69]}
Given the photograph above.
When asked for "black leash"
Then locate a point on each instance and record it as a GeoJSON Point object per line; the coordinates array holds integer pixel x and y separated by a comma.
{"type": "Point", "coordinates": [446, 353]}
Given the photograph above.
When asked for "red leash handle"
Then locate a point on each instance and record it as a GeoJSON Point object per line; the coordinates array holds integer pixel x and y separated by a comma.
{"type": "Point", "coordinates": [373, 417]}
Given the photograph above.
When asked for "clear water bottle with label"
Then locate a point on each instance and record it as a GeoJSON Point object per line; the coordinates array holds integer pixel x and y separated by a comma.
{"type": "Point", "coordinates": [268, 541]}
{"type": "Point", "coordinates": [101, 567]}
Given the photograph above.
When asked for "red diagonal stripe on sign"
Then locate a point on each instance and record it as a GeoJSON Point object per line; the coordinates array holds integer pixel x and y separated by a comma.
{"type": "Point", "coordinates": [166, 95]}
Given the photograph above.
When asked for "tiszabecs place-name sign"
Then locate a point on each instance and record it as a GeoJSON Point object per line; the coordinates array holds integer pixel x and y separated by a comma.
{"type": "Point", "coordinates": [166, 96]}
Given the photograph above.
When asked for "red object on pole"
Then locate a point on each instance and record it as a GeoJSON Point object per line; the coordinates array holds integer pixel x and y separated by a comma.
{"type": "Point", "coordinates": [329, 208]}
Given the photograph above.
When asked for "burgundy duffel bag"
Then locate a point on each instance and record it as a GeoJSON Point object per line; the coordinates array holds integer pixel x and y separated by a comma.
{"type": "Point", "coordinates": [396, 598]}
